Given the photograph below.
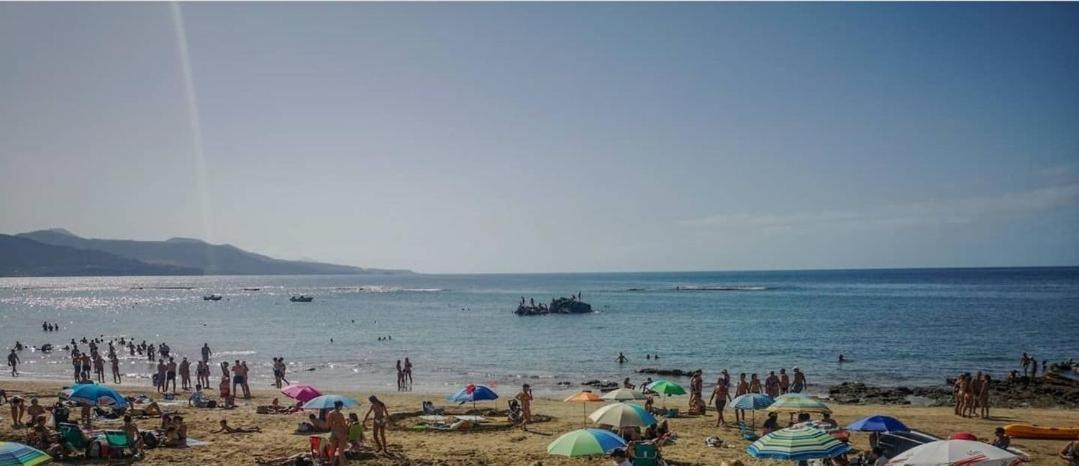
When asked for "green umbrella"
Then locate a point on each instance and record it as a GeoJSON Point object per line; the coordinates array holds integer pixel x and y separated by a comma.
{"type": "Point", "coordinates": [666, 387]}
{"type": "Point", "coordinates": [585, 442]}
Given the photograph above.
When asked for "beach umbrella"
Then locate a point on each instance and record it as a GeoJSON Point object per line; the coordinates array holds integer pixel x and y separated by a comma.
{"type": "Point", "coordinates": [666, 387]}
{"type": "Point", "coordinates": [798, 404]}
{"type": "Point", "coordinates": [752, 402]}
{"type": "Point", "coordinates": [623, 394]}
{"type": "Point", "coordinates": [585, 442]}
{"type": "Point", "coordinates": [17, 454]}
{"type": "Point", "coordinates": [328, 401]}
{"type": "Point", "coordinates": [797, 444]}
{"type": "Point", "coordinates": [956, 452]}
{"type": "Point", "coordinates": [473, 393]}
{"type": "Point", "coordinates": [878, 423]}
{"type": "Point", "coordinates": [95, 395]}
{"type": "Point", "coordinates": [621, 415]}
{"type": "Point", "coordinates": [301, 392]}
{"type": "Point", "coordinates": [583, 397]}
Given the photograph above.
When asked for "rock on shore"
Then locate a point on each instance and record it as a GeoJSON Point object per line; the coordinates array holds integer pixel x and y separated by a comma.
{"type": "Point", "coordinates": [1020, 393]}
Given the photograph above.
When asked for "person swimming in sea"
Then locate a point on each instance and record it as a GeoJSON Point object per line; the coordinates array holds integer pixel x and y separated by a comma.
{"type": "Point", "coordinates": [622, 358]}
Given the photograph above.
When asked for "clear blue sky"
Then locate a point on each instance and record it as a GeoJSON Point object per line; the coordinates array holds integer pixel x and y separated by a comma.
{"type": "Point", "coordinates": [552, 137]}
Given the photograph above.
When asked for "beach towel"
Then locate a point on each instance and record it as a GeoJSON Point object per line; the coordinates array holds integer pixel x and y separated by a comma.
{"type": "Point", "coordinates": [194, 442]}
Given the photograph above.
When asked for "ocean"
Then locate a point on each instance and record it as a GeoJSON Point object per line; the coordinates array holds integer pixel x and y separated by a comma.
{"type": "Point", "coordinates": [897, 327]}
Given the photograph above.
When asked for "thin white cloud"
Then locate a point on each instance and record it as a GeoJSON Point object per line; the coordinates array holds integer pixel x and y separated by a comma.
{"type": "Point", "coordinates": [953, 211]}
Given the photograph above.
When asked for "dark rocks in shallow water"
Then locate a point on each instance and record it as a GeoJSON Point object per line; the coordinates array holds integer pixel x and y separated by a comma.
{"type": "Point", "coordinates": [665, 372]}
{"type": "Point", "coordinates": [1022, 392]}
{"type": "Point", "coordinates": [603, 385]}
{"type": "Point", "coordinates": [558, 306]}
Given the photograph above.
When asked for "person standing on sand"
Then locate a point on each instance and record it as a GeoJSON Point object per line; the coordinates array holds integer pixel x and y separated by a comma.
{"type": "Point", "coordinates": [170, 374]}
{"type": "Point", "coordinates": [408, 372]}
{"type": "Point", "coordinates": [338, 433]}
{"type": "Point", "coordinates": [99, 368]}
{"type": "Point", "coordinates": [400, 375]}
{"type": "Point", "coordinates": [771, 384]}
{"type": "Point", "coordinates": [975, 389]}
{"type": "Point", "coordinates": [1024, 361]}
{"type": "Point", "coordinates": [983, 396]}
{"type": "Point", "coordinates": [381, 414]}
{"type": "Point", "coordinates": [800, 382]}
{"type": "Point", "coordinates": [185, 373]}
{"type": "Point", "coordinates": [741, 389]}
{"type": "Point", "coordinates": [202, 374]}
{"type": "Point", "coordinates": [237, 377]}
{"type": "Point", "coordinates": [225, 370]}
{"type": "Point", "coordinates": [114, 361]}
{"type": "Point", "coordinates": [525, 398]}
{"type": "Point", "coordinates": [243, 383]}
{"type": "Point", "coordinates": [161, 369]}
{"type": "Point", "coordinates": [754, 384]}
{"type": "Point", "coordinates": [720, 395]}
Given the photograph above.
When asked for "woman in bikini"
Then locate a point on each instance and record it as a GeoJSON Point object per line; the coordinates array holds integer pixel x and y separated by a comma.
{"type": "Point", "coordinates": [380, 415]}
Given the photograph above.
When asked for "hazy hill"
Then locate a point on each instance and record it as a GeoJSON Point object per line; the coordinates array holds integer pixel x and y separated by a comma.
{"type": "Point", "coordinates": [187, 253]}
{"type": "Point", "coordinates": [22, 257]}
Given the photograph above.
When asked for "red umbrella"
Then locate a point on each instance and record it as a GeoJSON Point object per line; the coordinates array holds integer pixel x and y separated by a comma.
{"type": "Point", "coordinates": [301, 392]}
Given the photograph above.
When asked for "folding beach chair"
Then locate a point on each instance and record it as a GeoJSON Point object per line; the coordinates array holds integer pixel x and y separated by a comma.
{"type": "Point", "coordinates": [645, 454]}
{"type": "Point", "coordinates": [746, 432]}
{"type": "Point", "coordinates": [74, 439]}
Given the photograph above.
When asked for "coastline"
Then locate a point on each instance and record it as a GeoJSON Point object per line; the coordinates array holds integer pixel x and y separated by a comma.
{"type": "Point", "coordinates": [501, 445]}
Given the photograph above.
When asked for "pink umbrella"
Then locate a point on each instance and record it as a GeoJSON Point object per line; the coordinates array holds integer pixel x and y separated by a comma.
{"type": "Point", "coordinates": [301, 392]}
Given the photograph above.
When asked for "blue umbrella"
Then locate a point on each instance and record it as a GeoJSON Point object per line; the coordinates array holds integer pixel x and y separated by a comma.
{"type": "Point", "coordinates": [95, 394]}
{"type": "Point", "coordinates": [752, 401]}
{"type": "Point", "coordinates": [328, 401]}
{"type": "Point", "coordinates": [878, 423]}
{"type": "Point", "coordinates": [473, 393]}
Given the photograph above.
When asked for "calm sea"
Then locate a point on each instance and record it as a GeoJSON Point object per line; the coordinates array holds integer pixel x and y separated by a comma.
{"type": "Point", "coordinates": [896, 326]}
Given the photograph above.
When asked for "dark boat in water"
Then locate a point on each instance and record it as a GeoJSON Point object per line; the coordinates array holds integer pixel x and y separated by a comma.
{"type": "Point", "coordinates": [213, 297]}
{"type": "Point", "coordinates": [302, 299]}
{"type": "Point", "coordinates": [571, 305]}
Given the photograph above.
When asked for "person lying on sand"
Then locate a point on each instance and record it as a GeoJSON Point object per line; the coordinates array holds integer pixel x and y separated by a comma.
{"type": "Point", "coordinates": [312, 424]}
{"type": "Point", "coordinates": [226, 429]}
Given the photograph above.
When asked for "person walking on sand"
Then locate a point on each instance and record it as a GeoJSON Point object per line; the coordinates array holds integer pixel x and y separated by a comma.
{"type": "Point", "coordinates": [13, 361]}
{"type": "Point", "coordinates": [380, 415]}
{"type": "Point", "coordinates": [784, 381]}
{"type": "Point", "coordinates": [525, 398]}
{"type": "Point", "coordinates": [170, 375]}
{"type": "Point", "coordinates": [720, 395]}
{"type": "Point", "coordinates": [338, 433]}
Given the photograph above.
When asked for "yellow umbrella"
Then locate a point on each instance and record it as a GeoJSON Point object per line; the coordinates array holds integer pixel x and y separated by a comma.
{"type": "Point", "coordinates": [583, 397]}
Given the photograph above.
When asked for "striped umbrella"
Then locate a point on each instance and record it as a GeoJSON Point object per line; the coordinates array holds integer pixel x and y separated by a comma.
{"type": "Point", "coordinates": [17, 454]}
{"type": "Point", "coordinates": [752, 402]}
{"type": "Point", "coordinates": [956, 453]}
{"type": "Point", "coordinates": [797, 444]}
{"type": "Point", "coordinates": [585, 442]}
{"type": "Point", "coordinates": [622, 415]}
{"type": "Point", "coordinates": [798, 404]}
{"type": "Point", "coordinates": [622, 394]}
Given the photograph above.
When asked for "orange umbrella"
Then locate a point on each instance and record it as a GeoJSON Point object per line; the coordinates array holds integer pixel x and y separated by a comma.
{"type": "Point", "coordinates": [583, 397]}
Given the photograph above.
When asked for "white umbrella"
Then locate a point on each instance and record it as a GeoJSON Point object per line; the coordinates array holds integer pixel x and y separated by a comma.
{"type": "Point", "coordinates": [622, 415]}
{"type": "Point", "coordinates": [955, 453]}
{"type": "Point", "coordinates": [623, 394]}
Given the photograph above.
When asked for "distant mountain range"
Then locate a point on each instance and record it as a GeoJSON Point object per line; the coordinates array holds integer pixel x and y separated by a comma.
{"type": "Point", "coordinates": [58, 252]}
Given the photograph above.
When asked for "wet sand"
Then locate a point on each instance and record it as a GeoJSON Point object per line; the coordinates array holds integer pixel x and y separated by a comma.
{"type": "Point", "coordinates": [500, 444]}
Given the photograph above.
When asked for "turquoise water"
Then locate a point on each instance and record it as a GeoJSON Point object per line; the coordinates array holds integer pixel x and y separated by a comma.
{"type": "Point", "coordinates": [896, 326]}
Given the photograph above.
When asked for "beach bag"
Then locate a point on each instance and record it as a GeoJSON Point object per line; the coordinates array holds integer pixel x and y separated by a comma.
{"type": "Point", "coordinates": [149, 440]}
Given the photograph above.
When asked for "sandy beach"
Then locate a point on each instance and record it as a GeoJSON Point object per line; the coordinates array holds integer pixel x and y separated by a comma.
{"type": "Point", "coordinates": [499, 444]}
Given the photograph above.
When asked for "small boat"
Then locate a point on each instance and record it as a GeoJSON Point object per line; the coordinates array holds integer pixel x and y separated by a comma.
{"type": "Point", "coordinates": [1041, 432]}
{"type": "Point", "coordinates": [252, 289]}
{"type": "Point", "coordinates": [301, 299]}
{"type": "Point", "coordinates": [213, 297]}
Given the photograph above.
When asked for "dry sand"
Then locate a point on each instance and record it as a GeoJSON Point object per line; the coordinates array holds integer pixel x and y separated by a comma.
{"type": "Point", "coordinates": [502, 445]}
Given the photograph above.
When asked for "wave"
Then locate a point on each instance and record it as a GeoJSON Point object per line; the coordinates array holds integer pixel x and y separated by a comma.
{"type": "Point", "coordinates": [389, 289]}
{"type": "Point", "coordinates": [720, 288]}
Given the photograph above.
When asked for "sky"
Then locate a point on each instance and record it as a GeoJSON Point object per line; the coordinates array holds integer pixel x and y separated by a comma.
{"type": "Point", "coordinates": [563, 137]}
